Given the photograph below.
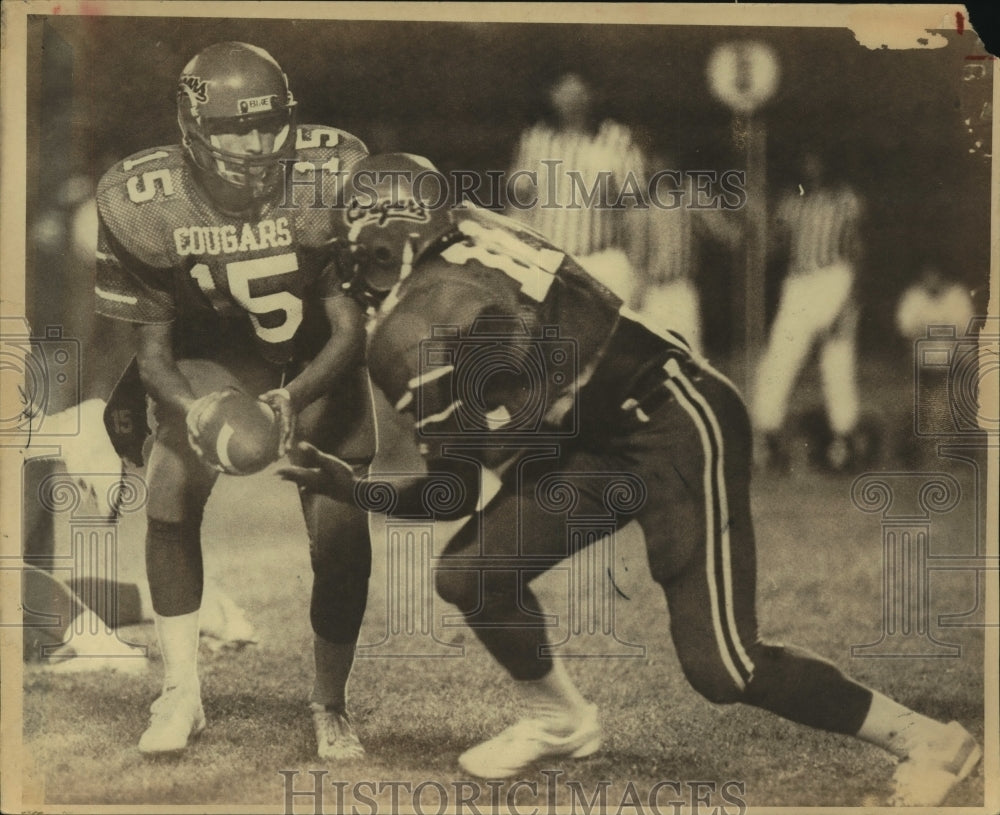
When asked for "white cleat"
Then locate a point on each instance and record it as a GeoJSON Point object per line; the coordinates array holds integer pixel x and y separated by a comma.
{"type": "Point", "coordinates": [926, 776]}
{"type": "Point", "coordinates": [529, 740]}
{"type": "Point", "coordinates": [335, 736]}
{"type": "Point", "coordinates": [102, 651]}
{"type": "Point", "coordinates": [177, 717]}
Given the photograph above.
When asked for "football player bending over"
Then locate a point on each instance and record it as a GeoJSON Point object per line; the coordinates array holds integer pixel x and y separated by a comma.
{"type": "Point", "coordinates": [642, 404]}
{"type": "Point", "coordinates": [228, 286]}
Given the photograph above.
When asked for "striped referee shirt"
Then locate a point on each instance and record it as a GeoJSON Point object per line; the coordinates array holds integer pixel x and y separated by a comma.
{"type": "Point", "coordinates": [568, 212]}
{"type": "Point", "coordinates": [821, 226]}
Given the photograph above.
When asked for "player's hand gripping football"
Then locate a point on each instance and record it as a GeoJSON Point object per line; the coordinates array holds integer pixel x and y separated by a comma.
{"type": "Point", "coordinates": [280, 401]}
{"type": "Point", "coordinates": [233, 432]}
{"type": "Point", "coordinates": [321, 473]}
{"type": "Point", "coordinates": [196, 420]}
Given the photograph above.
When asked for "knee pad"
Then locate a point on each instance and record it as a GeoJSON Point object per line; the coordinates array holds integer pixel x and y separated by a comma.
{"type": "Point", "coordinates": [341, 551]}
{"type": "Point", "coordinates": [337, 606]}
{"type": "Point", "coordinates": [174, 566]}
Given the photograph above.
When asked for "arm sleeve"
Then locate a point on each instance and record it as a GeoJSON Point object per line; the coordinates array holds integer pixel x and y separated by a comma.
{"type": "Point", "coordinates": [127, 289]}
{"type": "Point", "coordinates": [447, 491]}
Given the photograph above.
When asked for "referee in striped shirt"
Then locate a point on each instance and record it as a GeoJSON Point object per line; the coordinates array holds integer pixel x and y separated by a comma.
{"type": "Point", "coordinates": [573, 174]}
{"type": "Point", "coordinates": [819, 223]}
{"type": "Point", "coordinates": [666, 291]}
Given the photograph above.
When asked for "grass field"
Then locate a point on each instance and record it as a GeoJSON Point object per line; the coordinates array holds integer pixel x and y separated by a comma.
{"type": "Point", "coordinates": [820, 566]}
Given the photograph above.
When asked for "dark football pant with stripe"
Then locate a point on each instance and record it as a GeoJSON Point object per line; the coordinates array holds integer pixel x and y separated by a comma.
{"type": "Point", "coordinates": [180, 485]}
{"type": "Point", "coordinates": [691, 452]}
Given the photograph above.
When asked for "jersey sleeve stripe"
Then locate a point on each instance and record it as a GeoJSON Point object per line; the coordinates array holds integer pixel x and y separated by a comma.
{"type": "Point", "coordinates": [437, 418]}
{"type": "Point", "coordinates": [429, 376]}
{"type": "Point", "coordinates": [115, 298]}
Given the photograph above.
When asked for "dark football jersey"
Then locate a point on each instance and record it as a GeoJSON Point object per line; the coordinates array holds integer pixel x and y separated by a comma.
{"type": "Point", "coordinates": [167, 255]}
{"type": "Point", "coordinates": [500, 336]}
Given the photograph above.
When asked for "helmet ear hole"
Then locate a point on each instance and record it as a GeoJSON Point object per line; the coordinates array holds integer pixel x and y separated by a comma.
{"type": "Point", "coordinates": [383, 256]}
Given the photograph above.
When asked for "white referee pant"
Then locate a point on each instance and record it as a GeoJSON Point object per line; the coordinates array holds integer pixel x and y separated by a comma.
{"type": "Point", "coordinates": [610, 267]}
{"type": "Point", "coordinates": [675, 305]}
{"type": "Point", "coordinates": [815, 306]}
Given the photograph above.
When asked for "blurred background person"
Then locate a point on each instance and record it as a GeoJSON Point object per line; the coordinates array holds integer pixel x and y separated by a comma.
{"type": "Point", "coordinates": [818, 222]}
{"type": "Point", "coordinates": [583, 167]}
{"type": "Point", "coordinates": [931, 315]}
{"type": "Point", "coordinates": [934, 299]}
{"type": "Point", "coordinates": [666, 288]}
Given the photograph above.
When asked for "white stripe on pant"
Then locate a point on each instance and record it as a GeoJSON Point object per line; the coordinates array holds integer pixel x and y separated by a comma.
{"type": "Point", "coordinates": [716, 522]}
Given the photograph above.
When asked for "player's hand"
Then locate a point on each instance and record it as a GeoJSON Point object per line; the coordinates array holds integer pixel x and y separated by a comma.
{"type": "Point", "coordinates": [280, 401]}
{"type": "Point", "coordinates": [321, 473]}
{"type": "Point", "coordinates": [194, 419]}
{"type": "Point", "coordinates": [87, 451]}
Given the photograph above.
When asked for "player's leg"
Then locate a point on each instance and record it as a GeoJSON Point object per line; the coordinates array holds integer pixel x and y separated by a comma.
{"type": "Point", "coordinates": [179, 484]}
{"type": "Point", "coordinates": [701, 549]}
{"type": "Point", "coordinates": [340, 553]}
{"type": "Point", "coordinates": [704, 558]}
{"type": "Point", "coordinates": [56, 604]}
{"type": "Point", "coordinates": [65, 634]}
{"type": "Point", "coordinates": [837, 364]}
{"type": "Point", "coordinates": [484, 573]}
{"type": "Point", "coordinates": [791, 338]}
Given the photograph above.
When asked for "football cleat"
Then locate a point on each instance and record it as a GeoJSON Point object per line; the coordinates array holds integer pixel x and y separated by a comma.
{"type": "Point", "coordinates": [233, 432]}
{"type": "Point", "coordinates": [177, 716]}
{"type": "Point", "coordinates": [529, 740]}
{"type": "Point", "coordinates": [335, 736]}
{"type": "Point", "coordinates": [935, 765]}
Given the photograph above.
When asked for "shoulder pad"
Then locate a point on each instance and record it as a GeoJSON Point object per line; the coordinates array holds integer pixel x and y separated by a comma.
{"type": "Point", "coordinates": [142, 198]}
{"type": "Point", "coordinates": [491, 220]}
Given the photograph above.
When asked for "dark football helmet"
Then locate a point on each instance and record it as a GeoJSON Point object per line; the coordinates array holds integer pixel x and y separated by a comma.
{"type": "Point", "coordinates": [235, 88]}
{"type": "Point", "coordinates": [396, 208]}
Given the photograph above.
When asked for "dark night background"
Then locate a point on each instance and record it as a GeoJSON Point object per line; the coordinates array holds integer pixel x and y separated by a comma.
{"type": "Point", "coordinates": [891, 122]}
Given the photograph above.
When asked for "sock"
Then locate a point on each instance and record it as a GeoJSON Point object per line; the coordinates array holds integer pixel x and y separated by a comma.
{"type": "Point", "coordinates": [178, 637]}
{"type": "Point", "coordinates": [333, 669]}
{"type": "Point", "coordinates": [894, 727]}
{"type": "Point", "coordinates": [553, 697]}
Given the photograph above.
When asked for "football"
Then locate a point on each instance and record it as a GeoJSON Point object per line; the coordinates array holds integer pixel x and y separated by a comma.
{"type": "Point", "coordinates": [239, 434]}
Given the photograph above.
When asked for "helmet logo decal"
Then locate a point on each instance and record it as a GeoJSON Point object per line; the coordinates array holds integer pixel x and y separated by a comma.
{"type": "Point", "coordinates": [256, 104]}
{"type": "Point", "coordinates": [195, 87]}
{"type": "Point", "coordinates": [381, 211]}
